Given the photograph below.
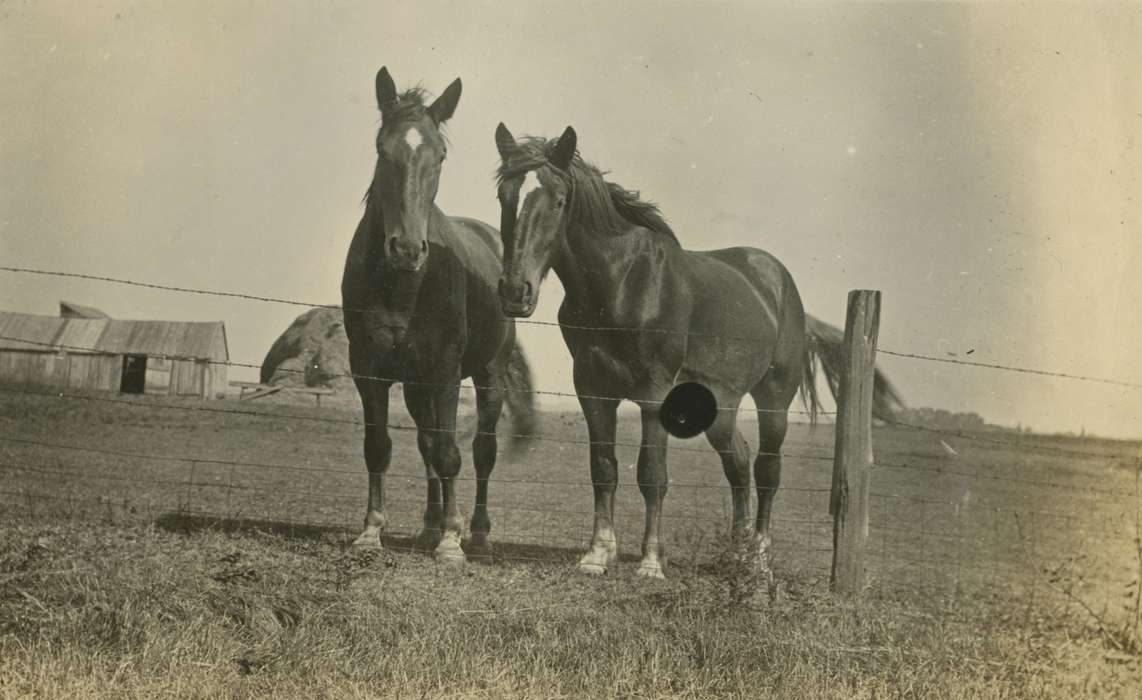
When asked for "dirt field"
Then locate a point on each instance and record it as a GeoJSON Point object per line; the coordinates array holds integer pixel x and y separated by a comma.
{"type": "Point", "coordinates": [198, 549]}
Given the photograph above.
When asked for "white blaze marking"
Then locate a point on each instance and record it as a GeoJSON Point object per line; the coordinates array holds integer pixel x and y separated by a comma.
{"type": "Point", "coordinates": [530, 184]}
{"type": "Point", "coordinates": [413, 138]}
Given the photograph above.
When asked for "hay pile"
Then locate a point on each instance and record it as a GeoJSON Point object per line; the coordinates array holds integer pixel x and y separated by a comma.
{"type": "Point", "coordinates": [312, 352]}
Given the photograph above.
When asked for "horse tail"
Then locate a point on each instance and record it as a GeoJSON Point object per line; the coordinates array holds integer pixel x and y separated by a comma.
{"type": "Point", "coordinates": [825, 346]}
{"type": "Point", "coordinates": [519, 395]}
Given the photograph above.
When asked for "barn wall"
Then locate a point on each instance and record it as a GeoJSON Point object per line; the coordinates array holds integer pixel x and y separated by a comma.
{"type": "Point", "coordinates": [93, 372]}
{"type": "Point", "coordinates": [186, 378]}
{"type": "Point", "coordinates": [24, 362]}
{"type": "Point", "coordinates": [159, 371]}
{"type": "Point", "coordinates": [36, 369]}
{"type": "Point", "coordinates": [217, 373]}
{"type": "Point", "coordinates": [217, 381]}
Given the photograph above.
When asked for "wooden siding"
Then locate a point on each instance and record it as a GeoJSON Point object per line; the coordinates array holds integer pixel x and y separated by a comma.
{"type": "Point", "coordinates": [93, 372]}
{"type": "Point", "coordinates": [183, 358]}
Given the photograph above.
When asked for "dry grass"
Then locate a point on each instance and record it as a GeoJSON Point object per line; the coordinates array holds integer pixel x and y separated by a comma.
{"type": "Point", "coordinates": [112, 585]}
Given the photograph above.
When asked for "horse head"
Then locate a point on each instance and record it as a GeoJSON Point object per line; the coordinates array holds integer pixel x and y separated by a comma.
{"type": "Point", "coordinates": [534, 191]}
{"type": "Point", "coordinates": [410, 153]}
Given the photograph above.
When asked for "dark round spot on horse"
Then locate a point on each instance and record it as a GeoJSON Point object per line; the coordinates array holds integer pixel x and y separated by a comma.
{"type": "Point", "coordinates": [688, 411]}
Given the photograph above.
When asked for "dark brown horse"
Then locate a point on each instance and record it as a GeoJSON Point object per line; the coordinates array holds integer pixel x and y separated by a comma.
{"type": "Point", "coordinates": [642, 316]}
{"type": "Point", "coordinates": [420, 307]}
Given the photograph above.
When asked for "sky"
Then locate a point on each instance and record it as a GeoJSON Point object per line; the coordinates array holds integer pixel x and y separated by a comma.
{"type": "Point", "coordinates": [977, 163]}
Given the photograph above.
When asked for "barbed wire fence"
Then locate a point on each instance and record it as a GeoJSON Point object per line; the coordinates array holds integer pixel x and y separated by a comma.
{"type": "Point", "coordinates": [1009, 517]}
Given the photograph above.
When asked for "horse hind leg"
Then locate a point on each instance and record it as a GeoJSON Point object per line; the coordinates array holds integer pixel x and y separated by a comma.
{"type": "Point", "coordinates": [652, 482]}
{"type": "Point", "coordinates": [489, 406]}
{"type": "Point", "coordinates": [724, 436]}
{"type": "Point", "coordinates": [772, 424]}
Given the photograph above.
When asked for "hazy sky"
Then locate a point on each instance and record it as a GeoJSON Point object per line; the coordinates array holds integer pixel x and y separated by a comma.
{"type": "Point", "coordinates": [976, 163]}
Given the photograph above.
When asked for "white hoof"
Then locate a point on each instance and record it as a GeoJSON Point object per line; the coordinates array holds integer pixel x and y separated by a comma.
{"type": "Point", "coordinates": [448, 551]}
{"type": "Point", "coordinates": [369, 539]}
{"type": "Point", "coordinates": [651, 569]}
{"type": "Point", "coordinates": [762, 544]}
{"type": "Point", "coordinates": [592, 568]}
{"type": "Point", "coordinates": [597, 559]}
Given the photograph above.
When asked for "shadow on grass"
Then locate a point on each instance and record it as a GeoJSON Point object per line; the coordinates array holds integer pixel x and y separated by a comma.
{"type": "Point", "coordinates": [185, 523]}
{"type": "Point", "coordinates": [503, 552]}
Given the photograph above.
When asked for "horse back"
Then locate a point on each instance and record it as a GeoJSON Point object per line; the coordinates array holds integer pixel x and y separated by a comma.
{"type": "Point", "coordinates": [475, 244]}
{"type": "Point", "coordinates": [488, 235]}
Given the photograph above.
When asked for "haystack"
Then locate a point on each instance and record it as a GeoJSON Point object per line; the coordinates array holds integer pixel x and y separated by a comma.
{"type": "Point", "coordinates": [312, 352]}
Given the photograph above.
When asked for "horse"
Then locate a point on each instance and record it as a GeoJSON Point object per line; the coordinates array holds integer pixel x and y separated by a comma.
{"type": "Point", "coordinates": [419, 294]}
{"type": "Point", "coordinates": [642, 316]}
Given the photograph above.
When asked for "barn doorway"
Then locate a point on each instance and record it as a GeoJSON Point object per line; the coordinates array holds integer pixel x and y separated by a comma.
{"type": "Point", "coordinates": [134, 379]}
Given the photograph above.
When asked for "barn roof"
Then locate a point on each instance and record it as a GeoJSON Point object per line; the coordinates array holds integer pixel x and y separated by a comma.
{"type": "Point", "coordinates": [40, 332]}
{"type": "Point", "coordinates": [170, 338]}
{"type": "Point", "coordinates": [69, 309]}
{"type": "Point", "coordinates": [205, 340]}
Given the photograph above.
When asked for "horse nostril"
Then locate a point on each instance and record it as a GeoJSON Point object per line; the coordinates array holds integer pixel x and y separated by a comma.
{"type": "Point", "coordinates": [526, 291]}
{"type": "Point", "coordinates": [393, 246]}
{"type": "Point", "coordinates": [424, 247]}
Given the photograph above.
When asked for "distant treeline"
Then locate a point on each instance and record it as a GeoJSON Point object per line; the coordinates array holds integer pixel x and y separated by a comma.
{"type": "Point", "coordinates": [940, 419]}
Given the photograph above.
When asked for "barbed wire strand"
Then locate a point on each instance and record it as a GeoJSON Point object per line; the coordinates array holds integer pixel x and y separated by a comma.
{"type": "Point", "coordinates": [339, 527]}
{"type": "Point", "coordinates": [394, 380]}
{"type": "Point", "coordinates": [293, 302]}
{"type": "Point", "coordinates": [276, 491]}
{"type": "Point", "coordinates": [881, 464]}
{"type": "Point", "coordinates": [268, 466]}
{"type": "Point", "coordinates": [1010, 368]}
{"type": "Point", "coordinates": [391, 426]}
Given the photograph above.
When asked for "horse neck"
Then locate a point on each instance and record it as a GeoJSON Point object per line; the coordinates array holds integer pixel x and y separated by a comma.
{"type": "Point", "coordinates": [592, 265]}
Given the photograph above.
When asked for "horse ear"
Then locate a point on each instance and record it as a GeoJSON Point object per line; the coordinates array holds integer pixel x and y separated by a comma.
{"type": "Point", "coordinates": [386, 91]}
{"type": "Point", "coordinates": [442, 109]}
{"type": "Point", "coordinates": [505, 142]}
{"type": "Point", "coordinates": [564, 151]}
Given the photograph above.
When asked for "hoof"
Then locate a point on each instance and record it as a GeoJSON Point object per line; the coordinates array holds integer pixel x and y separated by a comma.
{"type": "Point", "coordinates": [369, 539]}
{"type": "Point", "coordinates": [597, 559]}
{"type": "Point", "coordinates": [449, 551]}
{"type": "Point", "coordinates": [592, 568]}
{"type": "Point", "coordinates": [650, 569]}
{"type": "Point", "coordinates": [480, 548]}
{"type": "Point", "coordinates": [428, 539]}
{"type": "Point", "coordinates": [761, 545]}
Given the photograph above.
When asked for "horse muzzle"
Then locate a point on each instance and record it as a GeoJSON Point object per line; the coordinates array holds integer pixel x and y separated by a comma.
{"type": "Point", "coordinates": [517, 300]}
{"type": "Point", "coordinates": [402, 255]}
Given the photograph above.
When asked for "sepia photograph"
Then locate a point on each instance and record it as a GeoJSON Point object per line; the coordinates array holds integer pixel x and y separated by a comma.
{"type": "Point", "coordinates": [505, 349]}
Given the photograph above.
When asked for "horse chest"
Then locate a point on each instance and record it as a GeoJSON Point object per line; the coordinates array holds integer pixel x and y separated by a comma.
{"type": "Point", "coordinates": [629, 364]}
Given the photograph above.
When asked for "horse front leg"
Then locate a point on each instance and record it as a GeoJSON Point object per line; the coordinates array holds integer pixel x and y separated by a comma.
{"type": "Point", "coordinates": [434, 410]}
{"type": "Point", "coordinates": [418, 402]}
{"type": "Point", "coordinates": [378, 455]}
{"type": "Point", "coordinates": [601, 415]}
{"type": "Point", "coordinates": [489, 406]}
{"type": "Point", "coordinates": [652, 483]}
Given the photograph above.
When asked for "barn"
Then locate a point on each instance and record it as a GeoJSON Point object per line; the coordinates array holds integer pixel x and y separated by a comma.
{"type": "Point", "coordinates": [79, 352]}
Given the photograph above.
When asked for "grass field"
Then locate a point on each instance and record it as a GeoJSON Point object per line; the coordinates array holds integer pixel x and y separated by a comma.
{"type": "Point", "coordinates": [200, 551]}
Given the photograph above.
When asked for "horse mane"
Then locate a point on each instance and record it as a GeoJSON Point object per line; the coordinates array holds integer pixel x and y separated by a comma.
{"type": "Point", "coordinates": [596, 203]}
{"type": "Point", "coordinates": [410, 107]}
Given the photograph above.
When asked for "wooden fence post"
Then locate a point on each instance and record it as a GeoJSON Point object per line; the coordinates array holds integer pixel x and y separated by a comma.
{"type": "Point", "coordinates": [852, 459]}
